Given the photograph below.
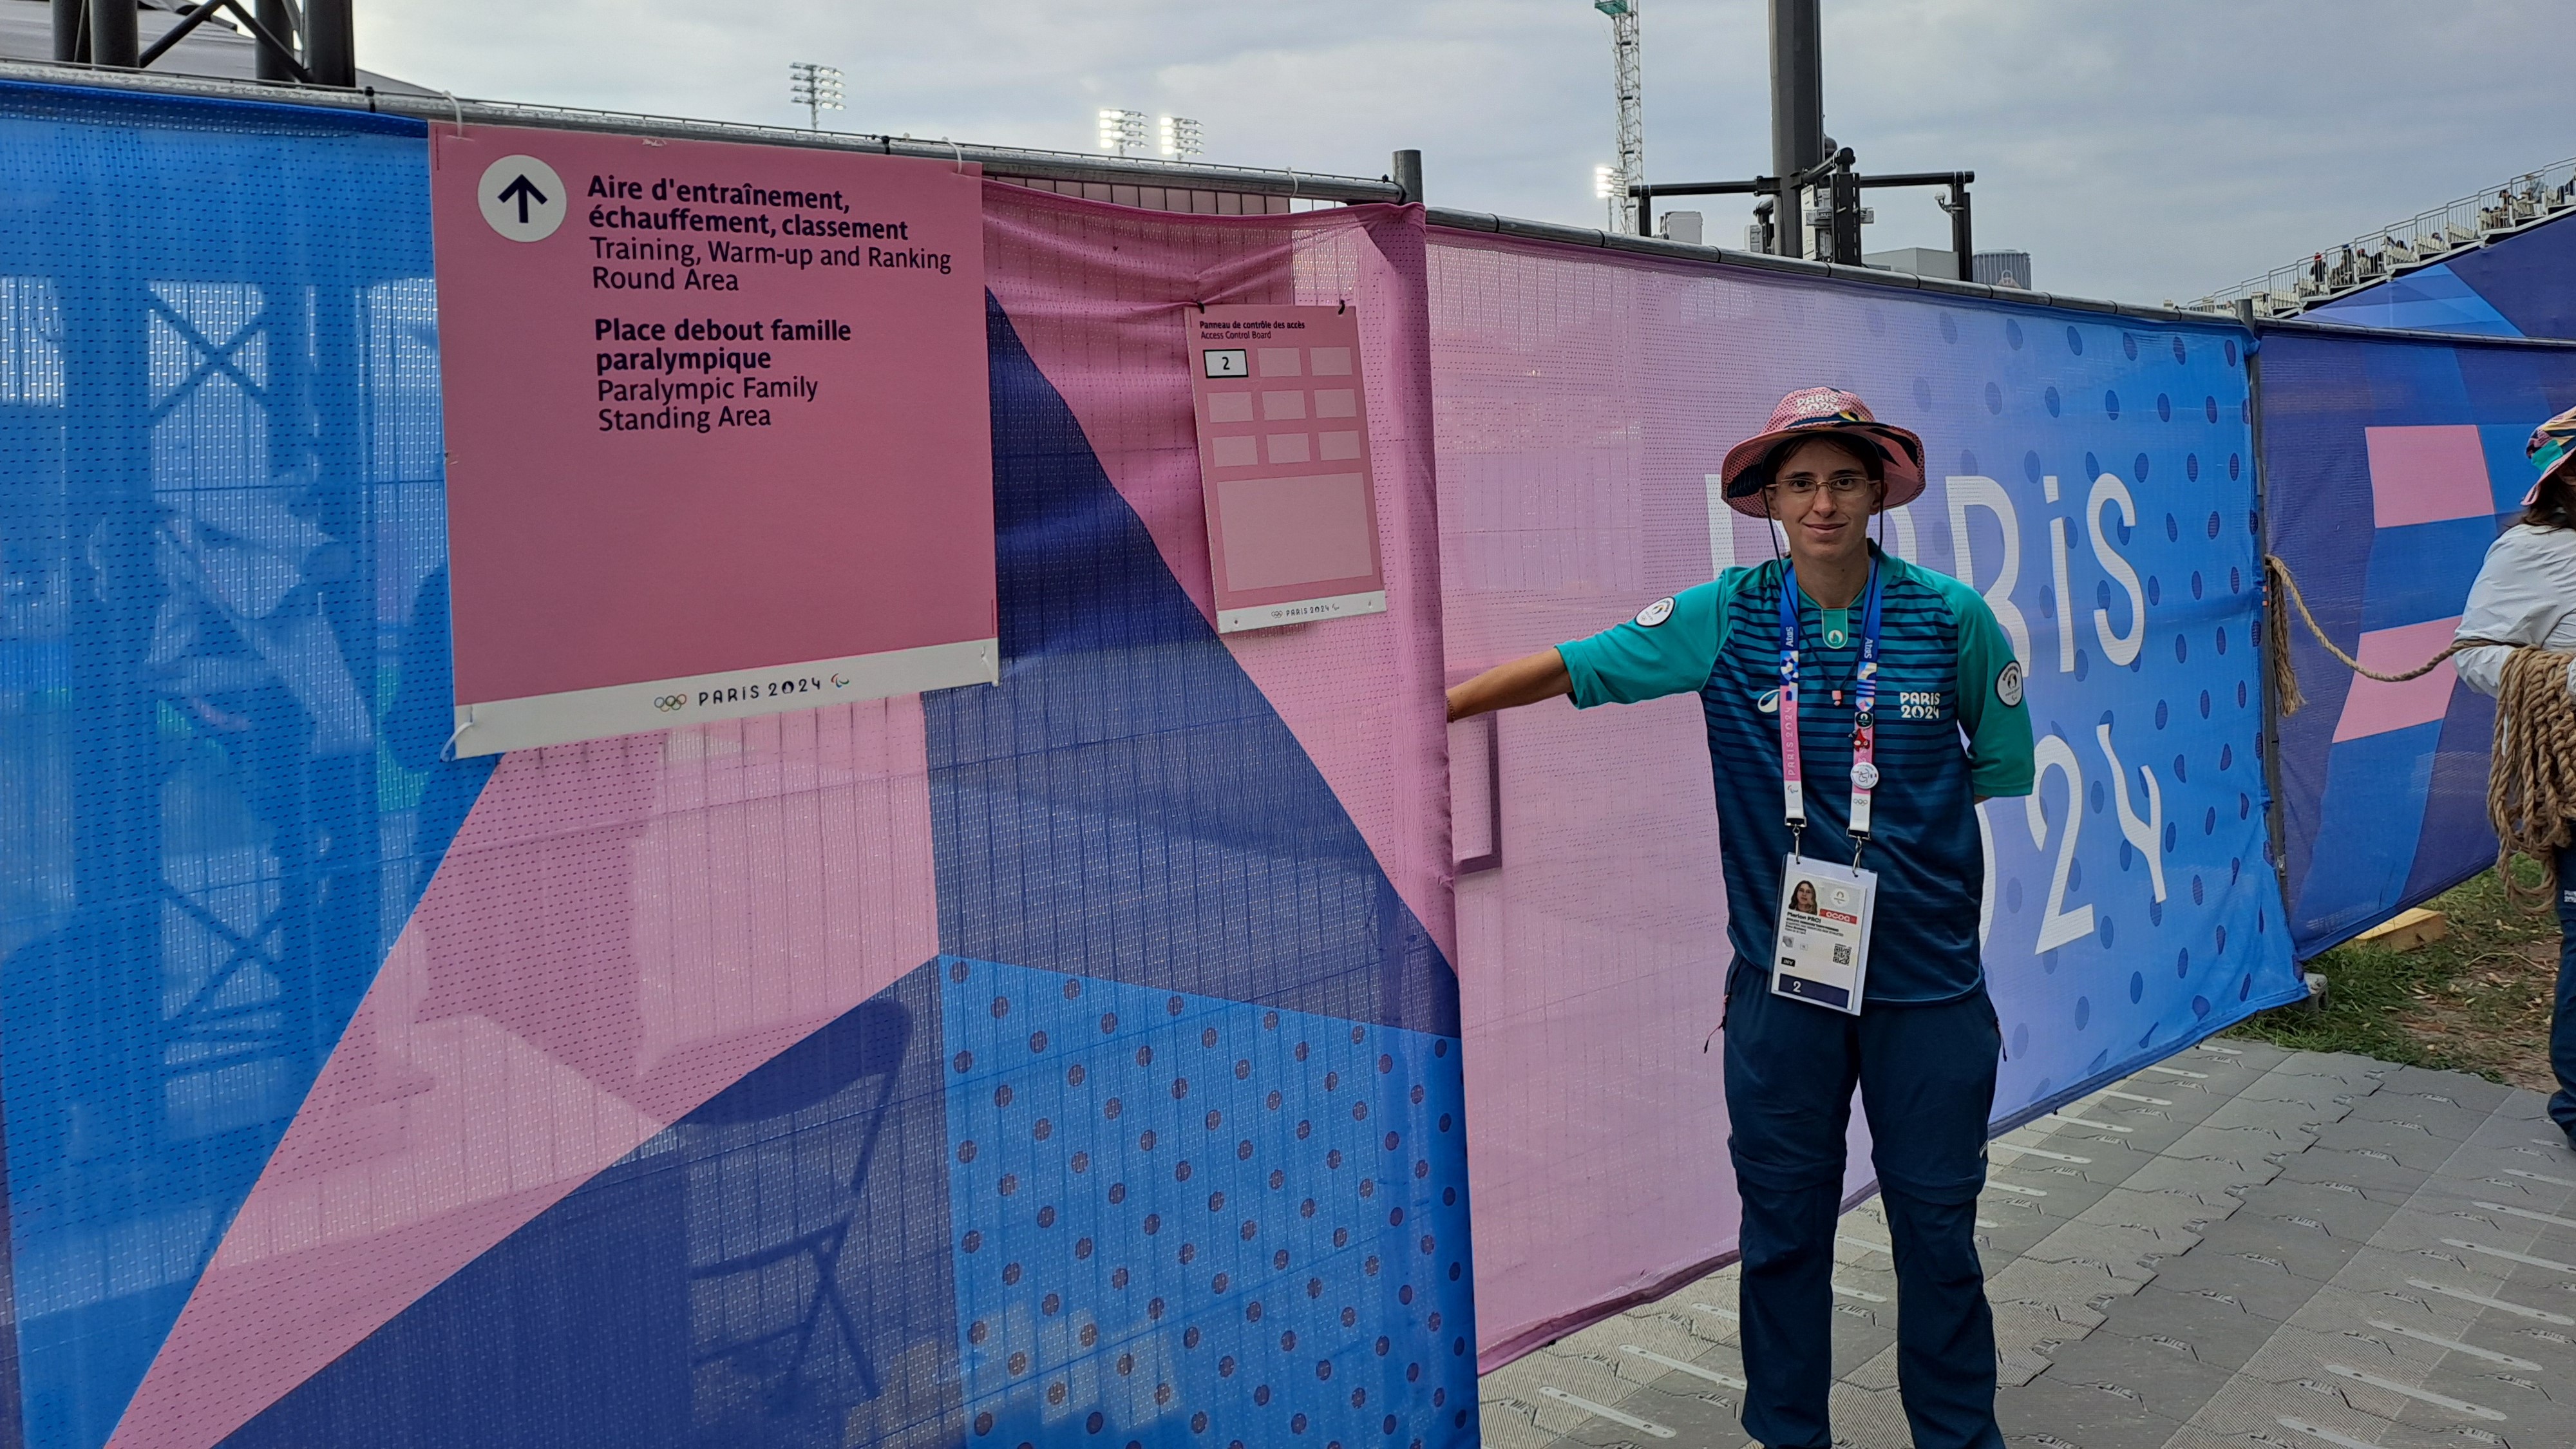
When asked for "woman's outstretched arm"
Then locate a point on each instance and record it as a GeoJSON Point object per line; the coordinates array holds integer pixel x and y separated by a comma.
{"type": "Point", "coordinates": [1525, 680]}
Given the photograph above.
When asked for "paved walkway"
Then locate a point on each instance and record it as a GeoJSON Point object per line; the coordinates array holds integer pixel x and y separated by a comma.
{"type": "Point", "coordinates": [2241, 1247]}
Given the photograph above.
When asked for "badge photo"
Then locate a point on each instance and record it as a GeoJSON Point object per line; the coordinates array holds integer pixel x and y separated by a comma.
{"type": "Point", "coordinates": [2008, 683]}
{"type": "Point", "coordinates": [1655, 613]}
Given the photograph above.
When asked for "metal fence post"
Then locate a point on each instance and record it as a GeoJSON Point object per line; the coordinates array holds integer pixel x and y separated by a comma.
{"type": "Point", "coordinates": [1408, 175]}
{"type": "Point", "coordinates": [2276, 821]}
{"type": "Point", "coordinates": [330, 43]}
{"type": "Point", "coordinates": [71, 31]}
{"type": "Point", "coordinates": [114, 33]}
{"type": "Point", "coordinates": [279, 17]}
{"type": "Point", "coordinates": [1962, 235]}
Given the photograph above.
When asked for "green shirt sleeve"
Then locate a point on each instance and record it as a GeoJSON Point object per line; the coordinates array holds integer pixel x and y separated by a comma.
{"type": "Point", "coordinates": [1669, 648]}
{"type": "Point", "coordinates": [1991, 708]}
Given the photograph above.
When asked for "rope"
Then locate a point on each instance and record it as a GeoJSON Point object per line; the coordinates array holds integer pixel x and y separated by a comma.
{"type": "Point", "coordinates": [2285, 676]}
{"type": "Point", "coordinates": [2531, 786]}
{"type": "Point", "coordinates": [2531, 780]}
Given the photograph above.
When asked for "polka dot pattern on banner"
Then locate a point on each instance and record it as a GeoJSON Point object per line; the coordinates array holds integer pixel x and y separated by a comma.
{"type": "Point", "coordinates": [1176, 1211]}
{"type": "Point", "coordinates": [2131, 447]}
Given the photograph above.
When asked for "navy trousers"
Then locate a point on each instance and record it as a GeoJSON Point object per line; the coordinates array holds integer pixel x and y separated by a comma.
{"type": "Point", "coordinates": [2562, 1024]}
{"type": "Point", "coordinates": [1927, 1081]}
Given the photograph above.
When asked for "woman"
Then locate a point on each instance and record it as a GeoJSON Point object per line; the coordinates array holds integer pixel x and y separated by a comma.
{"type": "Point", "coordinates": [2525, 594]}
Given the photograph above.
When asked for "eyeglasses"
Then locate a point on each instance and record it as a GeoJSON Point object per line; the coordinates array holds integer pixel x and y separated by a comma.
{"type": "Point", "coordinates": [1804, 485]}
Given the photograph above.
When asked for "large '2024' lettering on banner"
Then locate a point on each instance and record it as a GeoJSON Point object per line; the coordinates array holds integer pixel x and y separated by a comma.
{"type": "Point", "coordinates": [2059, 923]}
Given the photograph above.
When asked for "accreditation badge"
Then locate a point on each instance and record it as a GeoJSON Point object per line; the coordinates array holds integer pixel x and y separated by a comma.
{"type": "Point", "coordinates": [1820, 953]}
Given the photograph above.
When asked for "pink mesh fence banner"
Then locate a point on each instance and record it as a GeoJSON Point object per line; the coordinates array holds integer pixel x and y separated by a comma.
{"type": "Point", "coordinates": [1097, 293]}
{"type": "Point", "coordinates": [621, 930]}
{"type": "Point", "coordinates": [2088, 476]}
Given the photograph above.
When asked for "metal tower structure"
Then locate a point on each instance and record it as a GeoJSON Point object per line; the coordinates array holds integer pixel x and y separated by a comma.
{"type": "Point", "coordinates": [815, 87]}
{"type": "Point", "coordinates": [1627, 58]}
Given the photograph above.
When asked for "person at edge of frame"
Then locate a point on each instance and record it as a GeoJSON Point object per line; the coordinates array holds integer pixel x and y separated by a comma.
{"type": "Point", "coordinates": [1924, 1047]}
{"type": "Point", "coordinates": [2525, 594]}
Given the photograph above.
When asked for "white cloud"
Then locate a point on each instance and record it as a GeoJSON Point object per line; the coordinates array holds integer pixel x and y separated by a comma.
{"type": "Point", "coordinates": [2136, 150]}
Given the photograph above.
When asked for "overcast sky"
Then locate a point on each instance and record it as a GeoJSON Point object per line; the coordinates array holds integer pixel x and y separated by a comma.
{"type": "Point", "coordinates": [2138, 150]}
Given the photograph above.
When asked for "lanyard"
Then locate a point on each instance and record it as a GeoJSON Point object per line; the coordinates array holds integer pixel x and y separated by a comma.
{"type": "Point", "coordinates": [1864, 770]}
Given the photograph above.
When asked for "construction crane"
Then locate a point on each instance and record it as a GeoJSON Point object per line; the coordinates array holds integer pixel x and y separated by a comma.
{"type": "Point", "coordinates": [1627, 57]}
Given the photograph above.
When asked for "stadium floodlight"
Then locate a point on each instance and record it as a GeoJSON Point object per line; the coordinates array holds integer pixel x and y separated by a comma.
{"type": "Point", "coordinates": [1120, 130]}
{"type": "Point", "coordinates": [1605, 182]}
{"type": "Point", "coordinates": [1628, 68]}
{"type": "Point", "coordinates": [815, 87]}
{"type": "Point", "coordinates": [1181, 138]}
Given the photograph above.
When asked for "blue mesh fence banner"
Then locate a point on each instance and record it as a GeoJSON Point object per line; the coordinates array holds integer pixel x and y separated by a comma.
{"type": "Point", "coordinates": [2091, 476]}
{"type": "Point", "coordinates": [220, 648]}
{"type": "Point", "coordinates": [2390, 467]}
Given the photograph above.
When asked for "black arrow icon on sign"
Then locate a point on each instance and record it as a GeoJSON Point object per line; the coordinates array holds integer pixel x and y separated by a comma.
{"type": "Point", "coordinates": [522, 191]}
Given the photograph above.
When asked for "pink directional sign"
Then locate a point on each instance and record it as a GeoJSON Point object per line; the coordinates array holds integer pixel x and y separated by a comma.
{"type": "Point", "coordinates": [718, 438]}
{"type": "Point", "coordinates": [1284, 464]}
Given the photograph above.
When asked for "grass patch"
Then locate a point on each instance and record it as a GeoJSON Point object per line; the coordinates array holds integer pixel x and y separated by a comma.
{"type": "Point", "coordinates": [2476, 1001]}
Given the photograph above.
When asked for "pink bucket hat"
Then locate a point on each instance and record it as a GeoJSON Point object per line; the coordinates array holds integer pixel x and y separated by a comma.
{"type": "Point", "coordinates": [1822, 412]}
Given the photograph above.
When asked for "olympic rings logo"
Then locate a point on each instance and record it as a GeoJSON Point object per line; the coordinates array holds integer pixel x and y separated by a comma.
{"type": "Point", "coordinates": [669, 702]}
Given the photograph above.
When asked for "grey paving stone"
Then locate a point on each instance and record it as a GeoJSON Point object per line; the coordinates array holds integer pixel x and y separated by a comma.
{"type": "Point", "coordinates": [2525, 1398]}
{"type": "Point", "coordinates": [2371, 1173]}
{"type": "Point", "coordinates": [2031, 1322]}
{"type": "Point", "coordinates": [2215, 1183]}
{"type": "Point", "coordinates": [2067, 1192]}
{"type": "Point", "coordinates": [2254, 1244]}
{"type": "Point", "coordinates": [2104, 1165]}
{"type": "Point", "coordinates": [2355, 1071]}
{"type": "Point", "coordinates": [2151, 1131]}
{"type": "Point", "coordinates": [2020, 1228]}
{"type": "Point", "coordinates": [1700, 1412]}
{"type": "Point", "coordinates": [2219, 1331]}
{"type": "Point", "coordinates": [2174, 1376]}
{"type": "Point", "coordinates": [2420, 1152]}
{"type": "Point", "coordinates": [1876, 1373]}
{"type": "Point", "coordinates": [2256, 1056]}
{"type": "Point", "coordinates": [2125, 1250]}
{"type": "Point", "coordinates": [2469, 1094]}
{"type": "Point", "coordinates": [2309, 1207]}
{"type": "Point", "coordinates": [2433, 1114]}
{"type": "Point", "coordinates": [2054, 1412]}
{"type": "Point", "coordinates": [2250, 1411]}
{"type": "Point", "coordinates": [1509, 1422]}
{"type": "Point", "coordinates": [2248, 1144]}
{"type": "Point", "coordinates": [2175, 1218]}
{"type": "Point", "coordinates": [2070, 1278]}
{"type": "Point", "coordinates": [1866, 1418]}
{"type": "Point", "coordinates": [2289, 1116]}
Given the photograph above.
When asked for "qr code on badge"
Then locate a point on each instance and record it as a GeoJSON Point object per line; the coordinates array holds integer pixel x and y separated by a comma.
{"type": "Point", "coordinates": [1842, 955]}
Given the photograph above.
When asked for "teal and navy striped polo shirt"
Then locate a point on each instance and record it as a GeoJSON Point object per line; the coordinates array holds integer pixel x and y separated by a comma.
{"type": "Point", "coordinates": [1951, 727]}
